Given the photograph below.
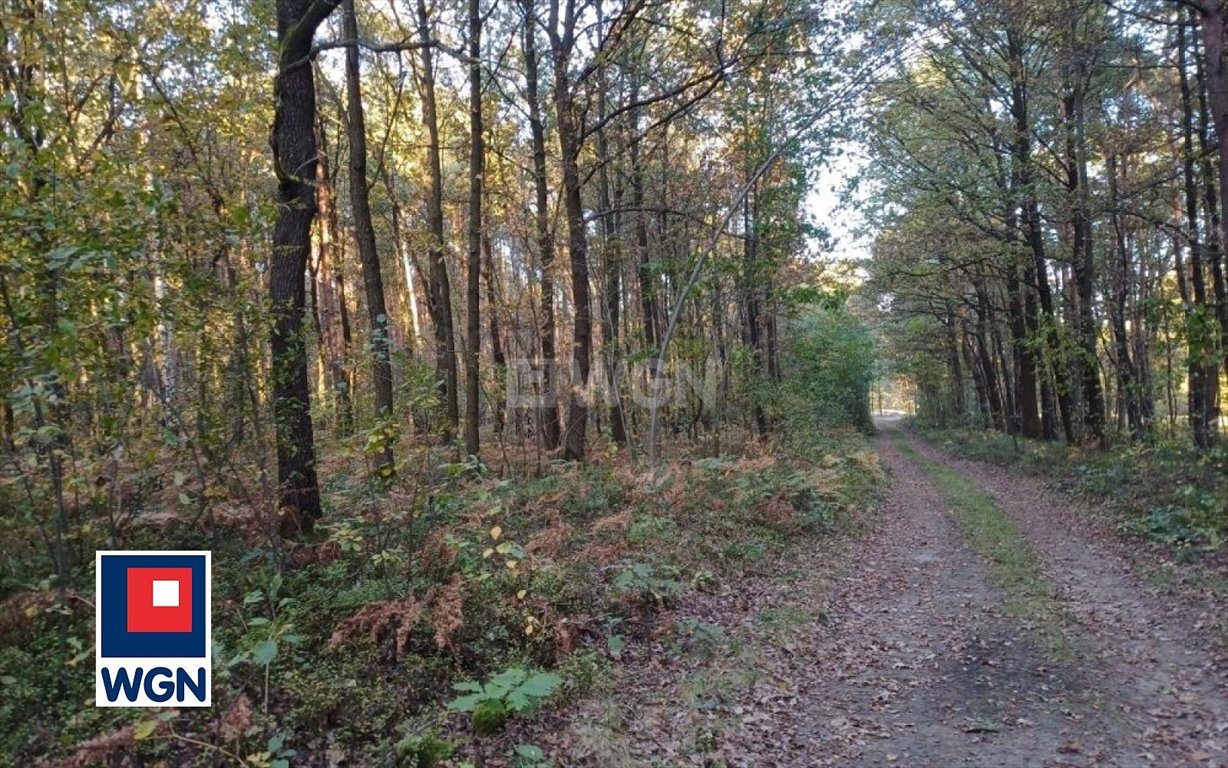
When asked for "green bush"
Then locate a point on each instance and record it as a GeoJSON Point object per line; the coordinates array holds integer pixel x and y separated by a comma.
{"type": "Point", "coordinates": [829, 363]}
{"type": "Point", "coordinates": [645, 585]}
{"type": "Point", "coordinates": [512, 691]}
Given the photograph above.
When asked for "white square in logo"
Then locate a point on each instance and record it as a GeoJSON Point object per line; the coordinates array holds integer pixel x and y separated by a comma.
{"type": "Point", "coordinates": [166, 594]}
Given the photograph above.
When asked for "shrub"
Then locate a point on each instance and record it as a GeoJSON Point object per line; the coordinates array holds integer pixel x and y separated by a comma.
{"type": "Point", "coordinates": [512, 691]}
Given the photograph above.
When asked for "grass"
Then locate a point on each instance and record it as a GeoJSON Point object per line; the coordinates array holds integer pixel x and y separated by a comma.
{"type": "Point", "coordinates": [785, 621]}
{"type": "Point", "coordinates": [1013, 567]}
{"type": "Point", "coordinates": [1162, 490]}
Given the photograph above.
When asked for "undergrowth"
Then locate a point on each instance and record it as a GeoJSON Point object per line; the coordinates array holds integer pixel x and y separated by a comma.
{"type": "Point", "coordinates": [350, 646]}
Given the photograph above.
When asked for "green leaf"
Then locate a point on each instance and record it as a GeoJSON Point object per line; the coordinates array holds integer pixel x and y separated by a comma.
{"type": "Point", "coordinates": [59, 257]}
{"type": "Point", "coordinates": [509, 678]}
{"type": "Point", "coordinates": [520, 703]}
{"type": "Point", "coordinates": [265, 652]}
{"type": "Point", "coordinates": [468, 685]}
{"type": "Point", "coordinates": [530, 752]}
{"type": "Point", "coordinates": [528, 695]}
{"type": "Point", "coordinates": [466, 703]}
{"type": "Point", "coordinates": [541, 685]}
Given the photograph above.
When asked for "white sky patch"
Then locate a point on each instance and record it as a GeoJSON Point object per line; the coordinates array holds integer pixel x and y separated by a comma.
{"type": "Point", "coordinates": [834, 204]}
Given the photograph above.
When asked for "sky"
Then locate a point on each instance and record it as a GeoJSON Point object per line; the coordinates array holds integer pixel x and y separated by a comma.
{"type": "Point", "coordinates": [829, 207]}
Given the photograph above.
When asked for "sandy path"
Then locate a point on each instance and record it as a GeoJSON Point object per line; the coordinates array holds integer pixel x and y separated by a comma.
{"type": "Point", "coordinates": [1150, 649]}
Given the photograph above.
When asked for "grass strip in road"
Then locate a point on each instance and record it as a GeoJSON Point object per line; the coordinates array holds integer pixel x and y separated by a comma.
{"type": "Point", "coordinates": [1013, 567]}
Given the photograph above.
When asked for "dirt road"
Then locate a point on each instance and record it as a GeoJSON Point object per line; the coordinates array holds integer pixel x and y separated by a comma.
{"type": "Point", "coordinates": [901, 650]}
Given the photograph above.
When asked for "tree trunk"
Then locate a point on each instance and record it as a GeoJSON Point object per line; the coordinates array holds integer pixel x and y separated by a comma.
{"type": "Point", "coordinates": [1202, 364]}
{"type": "Point", "coordinates": [1026, 415]}
{"type": "Point", "coordinates": [959, 404]}
{"type": "Point", "coordinates": [612, 288]}
{"type": "Point", "coordinates": [648, 301]}
{"type": "Point", "coordinates": [1082, 252]}
{"type": "Point", "coordinates": [1214, 78]}
{"type": "Point", "coordinates": [752, 331]}
{"type": "Point", "coordinates": [409, 301]}
{"type": "Point", "coordinates": [334, 311]}
{"type": "Point", "coordinates": [440, 293]}
{"type": "Point", "coordinates": [993, 395]}
{"type": "Point", "coordinates": [978, 377]}
{"type": "Point", "coordinates": [1216, 248]}
{"type": "Point", "coordinates": [1127, 386]}
{"type": "Point", "coordinates": [473, 320]}
{"type": "Point", "coordinates": [548, 411]}
{"type": "Point", "coordinates": [364, 235]}
{"type": "Point", "coordinates": [1033, 232]}
{"type": "Point", "coordinates": [562, 39]}
{"type": "Point", "coordinates": [497, 355]}
{"type": "Point", "coordinates": [294, 161]}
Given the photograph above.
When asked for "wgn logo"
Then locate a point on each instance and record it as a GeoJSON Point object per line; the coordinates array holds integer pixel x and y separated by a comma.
{"type": "Point", "coordinates": [153, 629]}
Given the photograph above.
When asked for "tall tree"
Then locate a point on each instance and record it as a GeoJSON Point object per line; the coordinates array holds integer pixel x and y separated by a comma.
{"type": "Point", "coordinates": [1203, 366]}
{"type": "Point", "coordinates": [331, 312]}
{"type": "Point", "coordinates": [548, 411]}
{"type": "Point", "coordinates": [364, 234]}
{"type": "Point", "coordinates": [439, 300]}
{"type": "Point", "coordinates": [294, 162]}
{"type": "Point", "coordinates": [561, 28]}
{"type": "Point", "coordinates": [473, 321]}
{"type": "Point", "coordinates": [611, 251]}
{"type": "Point", "coordinates": [1076, 81]}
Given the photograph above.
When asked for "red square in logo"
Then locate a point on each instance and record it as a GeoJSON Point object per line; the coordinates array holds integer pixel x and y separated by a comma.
{"type": "Point", "coordinates": [159, 599]}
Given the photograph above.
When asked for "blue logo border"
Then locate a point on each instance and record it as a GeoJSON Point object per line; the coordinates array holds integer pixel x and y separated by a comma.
{"type": "Point", "coordinates": [116, 642]}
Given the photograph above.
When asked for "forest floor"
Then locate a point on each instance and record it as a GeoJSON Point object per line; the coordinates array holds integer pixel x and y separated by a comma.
{"type": "Point", "coordinates": [984, 620]}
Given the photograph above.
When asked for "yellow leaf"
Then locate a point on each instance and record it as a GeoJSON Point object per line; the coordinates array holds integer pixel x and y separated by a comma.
{"type": "Point", "coordinates": [528, 629]}
{"type": "Point", "coordinates": [486, 555]}
{"type": "Point", "coordinates": [496, 532]}
{"type": "Point", "coordinates": [144, 729]}
{"type": "Point", "coordinates": [512, 564]}
{"type": "Point", "coordinates": [521, 594]}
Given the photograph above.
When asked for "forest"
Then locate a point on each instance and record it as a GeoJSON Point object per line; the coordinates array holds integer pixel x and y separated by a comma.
{"type": "Point", "coordinates": [616, 382]}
